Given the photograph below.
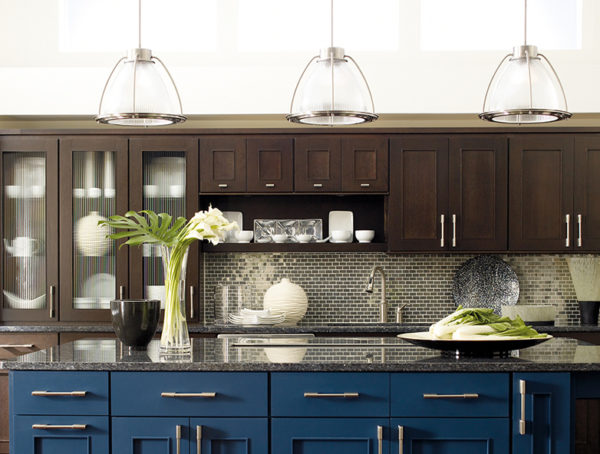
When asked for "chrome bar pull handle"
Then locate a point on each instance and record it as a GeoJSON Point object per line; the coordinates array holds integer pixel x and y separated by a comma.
{"type": "Point", "coordinates": [198, 439]}
{"type": "Point", "coordinates": [223, 185]}
{"type": "Point", "coordinates": [52, 294]}
{"type": "Point", "coordinates": [453, 230]}
{"type": "Point", "coordinates": [172, 394]}
{"type": "Point", "coordinates": [442, 222]}
{"type": "Point", "coordinates": [400, 439]}
{"type": "Point", "coordinates": [345, 395]}
{"type": "Point", "coordinates": [59, 426]}
{"type": "Point", "coordinates": [121, 291]}
{"type": "Point", "coordinates": [178, 438]}
{"type": "Point", "coordinates": [365, 185]}
{"type": "Point", "coordinates": [192, 295]}
{"type": "Point", "coordinates": [59, 393]}
{"type": "Point", "coordinates": [568, 238]}
{"type": "Point", "coordinates": [317, 185]}
{"type": "Point", "coordinates": [16, 345]}
{"type": "Point", "coordinates": [522, 423]}
{"type": "Point", "coordinates": [269, 185]}
{"type": "Point", "coordinates": [379, 440]}
{"type": "Point", "coordinates": [579, 237]}
{"type": "Point", "coordinates": [451, 396]}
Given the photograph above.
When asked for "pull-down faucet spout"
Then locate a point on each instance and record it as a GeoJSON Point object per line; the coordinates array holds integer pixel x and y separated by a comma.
{"type": "Point", "coordinates": [383, 307]}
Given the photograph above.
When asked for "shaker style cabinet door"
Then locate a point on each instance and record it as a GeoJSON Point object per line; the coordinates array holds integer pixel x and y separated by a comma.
{"type": "Point", "coordinates": [163, 177]}
{"type": "Point", "coordinates": [418, 202]}
{"type": "Point", "coordinates": [93, 186]}
{"type": "Point", "coordinates": [365, 164]}
{"type": "Point", "coordinates": [318, 164]}
{"type": "Point", "coordinates": [229, 435]}
{"type": "Point", "coordinates": [586, 209]}
{"type": "Point", "coordinates": [150, 436]}
{"type": "Point", "coordinates": [478, 180]}
{"type": "Point", "coordinates": [541, 192]}
{"type": "Point", "coordinates": [29, 228]}
{"type": "Point", "coordinates": [270, 163]}
{"type": "Point", "coordinates": [223, 164]}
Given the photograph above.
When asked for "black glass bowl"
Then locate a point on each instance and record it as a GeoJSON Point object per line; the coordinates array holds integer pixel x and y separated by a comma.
{"type": "Point", "coordinates": [135, 321]}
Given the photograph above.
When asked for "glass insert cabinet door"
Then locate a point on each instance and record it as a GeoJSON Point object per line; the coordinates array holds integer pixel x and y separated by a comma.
{"type": "Point", "coordinates": [164, 179]}
{"type": "Point", "coordinates": [93, 186]}
{"type": "Point", "coordinates": [29, 228]}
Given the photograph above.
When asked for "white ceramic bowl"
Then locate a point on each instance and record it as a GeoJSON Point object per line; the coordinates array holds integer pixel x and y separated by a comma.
{"type": "Point", "coordinates": [341, 235]}
{"type": "Point", "coordinates": [13, 191]}
{"type": "Point", "coordinates": [93, 193]}
{"type": "Point", "coordinates": [176, 190]}
{"type": "Point", "coordinates": [304, 238]}
{"type": "Point", "coordinates": [364, 236]}
{"type": "Point", "coordinates": [244, 236]}
{"type": "Point", "coordinates": [150, 190]}
{"type": "Point", "coordinates": [279, 237]}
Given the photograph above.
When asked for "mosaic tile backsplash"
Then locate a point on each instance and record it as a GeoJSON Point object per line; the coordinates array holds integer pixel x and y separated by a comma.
{"type": "Point", "coordinates": [335, 283]}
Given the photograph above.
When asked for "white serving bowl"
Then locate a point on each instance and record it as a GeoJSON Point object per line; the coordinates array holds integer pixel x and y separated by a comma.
{"type": "Point", "coordinates": [341, 235]}
{"type": "Point", "coordinates": [150, 190]}
{"type": "Point", "coordinates": [244, 236]}
{"type": "Point", "coordinates": [279, 237]}
{"type": "Point", "coordinates": [304, 238]}
{"type": "Point", "coordinates": [364, 236]}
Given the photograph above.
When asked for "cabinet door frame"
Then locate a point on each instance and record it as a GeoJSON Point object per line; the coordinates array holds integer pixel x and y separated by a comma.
{"type": "Point", "coordinates": [378, 145]}
{"type": "Point", "coordinates": [208, 146]}
{"type": "Point", "coordinates": [49, 146]}
{"type": "Point", "coordinates": [583, 177]}
{"type": "Point", "coordinates": [189, 146]}
{"type": "Point", "coordinates": [303, 146]}
{"type": "Point", "coordinates": [68, 145]}
{"type": "Point", "coordinates": [284, 145]}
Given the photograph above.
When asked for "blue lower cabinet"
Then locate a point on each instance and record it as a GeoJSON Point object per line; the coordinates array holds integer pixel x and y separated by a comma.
{"type": "Point", "coordinates": [450, 436]}
{"type": "Point", "coordinates": [60, 434]}
{"type": "Point", "coordinates": [150, 435]}
{"type": "Point", "coordinates": [329, 435]}
{"type": "Point", "coordinates": [229, 435]}
{"type": "Point", "coordinates": [541, 413]}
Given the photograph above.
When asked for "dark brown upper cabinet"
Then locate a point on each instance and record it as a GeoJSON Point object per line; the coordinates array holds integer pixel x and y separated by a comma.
{"type": "Point", "coordinates": [478, 180]}
{"type": "Point", "coordinates": [586, 201]}
{"type": "Point", "coordinates": [93, 269]}
{"type": "Point", "coordinates": [270, 164]}
{"type": "Point", "coordinates": [163, 177]}
{"type": "Point", "coordinates": [29, 228]}
{"type": "Point", "coordinates": [418, 201]}
{"type": "Point", "coordinates": [223, 166]}
{"type": "Point", "coordinates": [318, 164]}
{"type": "Point", "coordinates": [447, 193]}
{"type": "Point", "coordinates": [541, 192]}
{"type": "Point", "coordinates": [365, 163]}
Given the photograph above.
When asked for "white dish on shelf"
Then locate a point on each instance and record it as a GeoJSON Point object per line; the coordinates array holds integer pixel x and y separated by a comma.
{"type": "Point", "coordinates": [238, 218]}
{"type": "Point", "coordinates": [13, 191]}
{"type": "Point", "coordinates": [85, 302]}
{"type": "Point", "coordinates": [15, 302]}
{"type": "Point", "coordinates": [101, 285]}
{"type": "Point", "coordinates": [341, 220]}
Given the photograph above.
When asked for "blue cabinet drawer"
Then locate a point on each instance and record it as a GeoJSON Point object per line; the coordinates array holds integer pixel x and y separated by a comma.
{"type": "Point", "coordinates": [450, 394]}
{"type": "Point", "coordinates": [59, 393]}
{"type": "Point", "coordinates": [329, 394]}
{"type": "Point", "coordinates": [189, 394]}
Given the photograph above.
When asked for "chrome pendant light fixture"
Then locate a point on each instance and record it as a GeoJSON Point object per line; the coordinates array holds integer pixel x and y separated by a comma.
{"type": "Point", "coordinates": [525, 88]}
{"type": "Point", "coordinates": [332, 90]}
{"type": "Point", "coordinates": [140, 90]}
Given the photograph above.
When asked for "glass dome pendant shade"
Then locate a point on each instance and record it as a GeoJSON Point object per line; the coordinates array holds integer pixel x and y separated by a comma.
{"type": "Point", "coordinates": [525, 89]}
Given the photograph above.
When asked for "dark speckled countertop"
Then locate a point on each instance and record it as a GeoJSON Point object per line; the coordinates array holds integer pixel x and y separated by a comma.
{"type": "Point", "coordinates": [305, 353]}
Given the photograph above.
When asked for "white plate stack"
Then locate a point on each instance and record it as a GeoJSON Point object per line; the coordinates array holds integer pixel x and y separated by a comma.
{"type": "Point", "coordinates": [252, 317]}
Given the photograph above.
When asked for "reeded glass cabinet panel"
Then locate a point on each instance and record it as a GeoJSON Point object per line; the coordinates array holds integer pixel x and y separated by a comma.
{"type": "Point", "coordinates": [29, 201]}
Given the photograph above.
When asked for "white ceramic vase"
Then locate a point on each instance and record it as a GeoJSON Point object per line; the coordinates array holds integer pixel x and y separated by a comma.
{"type": "Point", "coordinates": [90, 237]}
{"type": "Point", "coordinates": [286, 298]}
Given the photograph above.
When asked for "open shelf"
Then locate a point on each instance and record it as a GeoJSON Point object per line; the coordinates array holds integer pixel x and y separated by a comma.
{"type": "Point", "coordinates": [295, 247]}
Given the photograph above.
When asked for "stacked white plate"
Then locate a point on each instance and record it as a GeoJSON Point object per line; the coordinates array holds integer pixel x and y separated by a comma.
{"type": "Point", "coordinates": [252, 317]}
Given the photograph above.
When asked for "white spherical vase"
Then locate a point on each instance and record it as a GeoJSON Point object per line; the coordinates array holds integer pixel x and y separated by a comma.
{"type": "Point", "coordinates": [286, 298]}
{"type": "Point", "coordinates": [90, 237]}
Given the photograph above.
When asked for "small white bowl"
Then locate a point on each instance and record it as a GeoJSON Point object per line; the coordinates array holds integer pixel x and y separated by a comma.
{"type": "Point", "coordinates": [93, 193]}
{"type": "Point", "coordinates": [279, 237]}
{"type": "Point", "coordinates": [364, 236]}
{"type": "Point", "coordinates": [37, 191]}
{"type": "Point", "coordinates": [244, 236]}
{"type": "Point", "coordinates": [13, 191]}
{"type": "Point", "coordinates": [176, 190]}
{"type": "Point", "coordinates": [341, 236]}
{"type": "Point", "coordinates": [150, 190]}
{"type": "Point", "coordinates": [304, 238]}
{"type": "Point", "coordinates": [109, 193]}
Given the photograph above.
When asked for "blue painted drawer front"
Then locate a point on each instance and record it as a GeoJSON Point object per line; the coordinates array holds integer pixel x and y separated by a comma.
{"type": "Point", "coordinates": [407, 392]}
{"type": "Point", "coordinates": [328, 435]}
{"type": "Point", "coordinates": [149, 435]}
{"type": "Point", "coordinates": [95, 401]}
{"type": "Point", "coordinates": [451, 436]}
{"type": "Point", "coordinates": [287, 394]}
{"type": "Point", "coordinates": [91, 440]}
{"type": "Point", "coordinates": [547, 413]}
{"type": "Point", "coordinates": [237, 394]}
{"type": "Point", "coordinates": [231, 435]}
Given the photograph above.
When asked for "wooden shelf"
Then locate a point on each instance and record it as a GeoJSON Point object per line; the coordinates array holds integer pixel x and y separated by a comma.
{"type": "Point", "coordinates": [295, 247]}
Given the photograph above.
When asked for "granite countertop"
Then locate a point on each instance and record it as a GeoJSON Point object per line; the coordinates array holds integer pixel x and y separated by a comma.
{"type": "Point", "coordinates": [305, 353]}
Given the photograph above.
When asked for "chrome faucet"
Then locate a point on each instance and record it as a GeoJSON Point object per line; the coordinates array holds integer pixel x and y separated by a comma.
{"type": "Point", "coordinates": [383, 307]}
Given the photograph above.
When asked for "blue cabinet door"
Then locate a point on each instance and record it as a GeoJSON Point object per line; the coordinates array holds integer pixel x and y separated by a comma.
{"type": "Point", "coordinates": [229, 435]}
{"type": "Point", "coordinates": [450, 435]}
{"type": "Point", "coordinates": [329, 435]}
{"type": "Point", "coordinates": [150, 435]}
{"type": "Point", "coordinates": [544, 428]}
{"type": "Point", "coordinates": [59, 434]}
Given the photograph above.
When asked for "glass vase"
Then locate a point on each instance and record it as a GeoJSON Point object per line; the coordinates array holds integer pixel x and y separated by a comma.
{"type": "Point", "coordinates": [175, 338]}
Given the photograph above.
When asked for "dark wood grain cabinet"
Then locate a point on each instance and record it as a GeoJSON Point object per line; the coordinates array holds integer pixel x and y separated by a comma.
{"type": "Point", "coordinates": [365, 163]}
{"type": "Point", "coordinates": [586, 194]}
{"type": "Point", "coordinates": [223, 168]}
{"type": "Point", "coordinates": [270, 162]}
{"type": "Point", "coordinates": [447, 193]}
{"type": "Point", "coordinates": [318, 164]}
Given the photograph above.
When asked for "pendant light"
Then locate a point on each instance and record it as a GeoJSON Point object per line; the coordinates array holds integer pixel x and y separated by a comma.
{"type": "Point", "coordinates": [525, 88]}
{"type": "Point", "coordinates": [140, 90]}
{"type": "Point", "coordinates": [332, 90]}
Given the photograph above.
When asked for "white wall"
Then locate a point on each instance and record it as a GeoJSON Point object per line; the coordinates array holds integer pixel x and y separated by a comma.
{"type": "Point", "coordinates": [37, 78]}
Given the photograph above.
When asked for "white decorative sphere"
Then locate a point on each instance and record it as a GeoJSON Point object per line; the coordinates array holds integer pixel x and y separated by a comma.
{"type": "Point", "coordinates": [286, 298]}
{"type": "Point", "coordinates": [90, 237]}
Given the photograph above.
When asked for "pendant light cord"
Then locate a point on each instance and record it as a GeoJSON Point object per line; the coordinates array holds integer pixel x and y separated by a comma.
{"type": "Point", "coordinates": [331, 24]}
{"type": "Point", "coordinates": [332, 64]}
{"type": "Point", "coordinates": [525, 24]}
{"type": "Point", "coordinates": [139, 24]}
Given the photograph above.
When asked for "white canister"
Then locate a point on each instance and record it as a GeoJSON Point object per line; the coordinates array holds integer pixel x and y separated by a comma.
{"type": "Point", "coordinates": [286, 298]}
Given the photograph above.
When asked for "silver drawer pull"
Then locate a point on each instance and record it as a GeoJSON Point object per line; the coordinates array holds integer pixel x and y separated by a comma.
{"type": "Point", "coordinates": [568, 222]}
{"type": "Point", "coordinates": [169, 394]}
{"type": "Point", "coordinates": [346, 395]}
{"type": "Point", "coordinates": [365, 185]}
{"type": "Point", "coordinates": [522, 421]}
{"type": "Point", "coordinates": [178, 438]}
{"type": "Point", "coordinates": [269, 185]}
{"type": "Point", "coordinates": [223, 185]}
{"type": "Point", "coordinates": [579, 238]}
{"type": "Point", "coordinates": [16, 345]}
{"type": "Point", "coordinates": [59, 393]}
{"type": "Point", "coordinates": [198, 439]}
{"type": "Point", "coordinates": [442, 221]}
{"type": "Point", "coordinates": [451, 396]}
{"type": "Point", "coordinates": [317, 185]}
{"type": "Point", "coordinates": [59, 426]}
{"type": "Point", "coordinates": [379, 439]}
{"type": "Point", "coordinates": [400, 439]}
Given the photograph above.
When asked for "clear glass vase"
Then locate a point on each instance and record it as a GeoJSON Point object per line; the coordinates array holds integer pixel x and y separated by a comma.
{"type": "Point", "coordinates": [175, 338]}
